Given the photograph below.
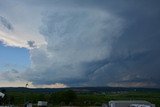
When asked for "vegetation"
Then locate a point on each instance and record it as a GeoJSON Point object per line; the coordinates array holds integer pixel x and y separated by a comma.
{"type": "Point", "coordinates": [64, 97]}
{"type": "Point", "coordinates": [69, 97]}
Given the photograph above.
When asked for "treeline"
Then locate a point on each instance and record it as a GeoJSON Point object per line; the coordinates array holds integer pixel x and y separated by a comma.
{"type": "Point", "coordinates": [70, 97]}
{"type": "Point", "coordinates": [60, 98]}
{"type": "Point", "coordinates": [66, 97]}
{"type": "Point", "coordinates": [7, 99]}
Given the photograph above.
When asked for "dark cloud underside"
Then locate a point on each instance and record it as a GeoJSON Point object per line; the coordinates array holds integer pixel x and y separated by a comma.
{"type": "Point", "coordinates": [97, 43]}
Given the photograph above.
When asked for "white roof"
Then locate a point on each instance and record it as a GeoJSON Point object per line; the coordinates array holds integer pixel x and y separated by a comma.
{"type": "Point", "coordinates": [131, 101]}
{"type": "Point", "coordinates": [42, 103]}
{"type": "Point", "coordinates": [2, 95]}
{"type": "Point", "coordinates": [139, 105]}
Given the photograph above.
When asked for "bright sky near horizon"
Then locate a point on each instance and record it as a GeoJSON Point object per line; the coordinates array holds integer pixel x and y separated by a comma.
{"type": "Point", "coordinates": [63, 43]}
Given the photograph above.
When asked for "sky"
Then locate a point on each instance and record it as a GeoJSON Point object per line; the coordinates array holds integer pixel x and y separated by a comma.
{"type": "Point", "coordinates": [76, 43]}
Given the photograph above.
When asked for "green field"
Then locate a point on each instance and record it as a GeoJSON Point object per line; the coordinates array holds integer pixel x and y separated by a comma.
{"type": "Point", "coordinates": [69, 97]}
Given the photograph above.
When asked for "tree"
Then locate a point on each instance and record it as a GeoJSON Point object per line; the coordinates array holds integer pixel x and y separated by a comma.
{"type": "Point", "coordinates": [69, 96]}
{"type": "Point", "coordinates": [66, 97]}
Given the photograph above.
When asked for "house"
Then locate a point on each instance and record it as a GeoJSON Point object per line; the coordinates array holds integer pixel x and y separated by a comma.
{"type": "Point", "coordinates": [130, 103]}
{"type": "Point", "coordinates": [42, 104]}
{"type": "Point", "coordinates": [28, 104]}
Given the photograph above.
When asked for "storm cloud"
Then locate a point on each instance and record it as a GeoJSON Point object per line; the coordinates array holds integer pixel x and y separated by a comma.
{"type": "Point", "coordinates": [92, 42]}
{"type": "Point", "coordinates": [75, 40]}
{"type": "Point", "coordinates": [99, 47]}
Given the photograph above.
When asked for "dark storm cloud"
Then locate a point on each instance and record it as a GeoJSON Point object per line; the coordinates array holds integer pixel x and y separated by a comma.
{"type": "Point", "coordinates": [76, 40]}
{"type": "Point", "coordinates": [86, 47]}
{"type": "Point", "coordinates": [138, 68]}
{"type": "Point", "coordinates": [135, 55]}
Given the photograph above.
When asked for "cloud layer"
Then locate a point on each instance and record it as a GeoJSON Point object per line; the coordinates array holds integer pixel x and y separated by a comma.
{"type": "Point", "coordinates": [75, 41]}
{"type": "Point", "coordinates": [86, 43]}
{"type": "Point", "coordinates": [5, 24]}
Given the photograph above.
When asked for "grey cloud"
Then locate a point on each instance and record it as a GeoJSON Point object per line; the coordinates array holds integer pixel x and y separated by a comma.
{"type": "Point", "coordinates": [75, 40]}
{"type": "Point", "coordinates": [10, 75]}
{"type": "Point", "coordinates": [138, 69]}
{"type": "Point", "coordinates": [5, 24]}
{"type": "Point", "coordinates": [118, 47]}
{"type": "Point", "coordinates": [135, 55]}
{"type": "Point", "coordinates": [31, 44]}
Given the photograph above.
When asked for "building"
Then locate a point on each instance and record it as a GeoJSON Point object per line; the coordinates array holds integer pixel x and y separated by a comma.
{"type": "Point", "coordinates": [104, 105]}
{"type": "Point", "coordinates": [28, 104]}
{"type": "Point", "coordinates": [139, 105]}
{"type": "Point", "coordinates": [42, 104]}
{"type": "Point", "coordinates": [132, 103]}
{"type": "Point", "coordinates": [1, 97]}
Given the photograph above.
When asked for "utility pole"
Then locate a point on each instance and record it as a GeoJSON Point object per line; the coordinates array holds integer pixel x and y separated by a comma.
{"type": "Point", "coordinates": [26, 85]}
